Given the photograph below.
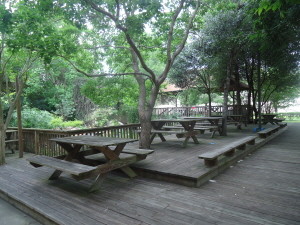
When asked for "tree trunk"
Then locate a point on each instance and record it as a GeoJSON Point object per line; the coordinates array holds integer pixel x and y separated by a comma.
{"type": "Point", "coordinates": [238, 90]}
{"type": "Point", "coordinates": [2, 136]}
{"type": "Point", "coordinates": [225, 106]}
{"type": "Point", "coordinates": [145, 136]}
{"type": "Point", "coordinates": [19, 116]}
{"type": "Point", "coordinates": [209, 103]}
{"type": "Point", "coordinates": [259, 90]}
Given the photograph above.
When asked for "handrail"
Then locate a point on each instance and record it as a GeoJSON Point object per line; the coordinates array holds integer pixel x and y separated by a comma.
{"type": "Point", "coordinates": [37, 140]}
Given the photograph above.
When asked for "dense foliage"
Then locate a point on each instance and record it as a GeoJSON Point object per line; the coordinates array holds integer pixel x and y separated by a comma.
{"type": "Point", "coordinates": [100, 61]}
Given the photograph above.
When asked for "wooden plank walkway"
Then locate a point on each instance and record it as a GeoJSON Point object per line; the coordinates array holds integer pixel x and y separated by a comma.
{"type": "Point", "coordinates": [264, 188]}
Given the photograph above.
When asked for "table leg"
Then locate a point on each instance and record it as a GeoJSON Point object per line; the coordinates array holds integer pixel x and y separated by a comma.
{"type": "Point", "coordinates": [162, 138]}
{"type": "Point", "coordinates": [186, 141]}
{"type": "Point", "coordinates": [189, 126]}
{"type": "Point", "coordinates": [114, 155]}
{"type": "Point", "coordinates": [98, 182]}
{"type": "Point", "coordinates": [157, 126]}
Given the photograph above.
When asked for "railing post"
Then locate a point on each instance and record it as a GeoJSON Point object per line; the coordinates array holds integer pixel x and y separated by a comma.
{"type": "Point", "coordinates": [36, 142]}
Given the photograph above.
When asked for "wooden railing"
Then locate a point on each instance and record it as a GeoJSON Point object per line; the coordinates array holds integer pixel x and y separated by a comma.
{"type": "Point", "coordinates": [37, 140]}
{"type": "Point", "coordinates": [200, 111]}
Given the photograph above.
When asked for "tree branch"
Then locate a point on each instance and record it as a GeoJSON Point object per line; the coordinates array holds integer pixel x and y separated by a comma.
{"type": "Point", "coordinates": [171, 59]}
{"type": "Point", "coordinates": [102, 74]}
{"type": "Point", "coordinates": [127, 36]}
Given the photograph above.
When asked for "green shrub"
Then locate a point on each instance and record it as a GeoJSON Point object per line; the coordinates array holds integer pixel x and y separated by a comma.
{"type": "Point", "coordinates": [58, 122]}
{"type": "Point", "coordinates": [34, 118]}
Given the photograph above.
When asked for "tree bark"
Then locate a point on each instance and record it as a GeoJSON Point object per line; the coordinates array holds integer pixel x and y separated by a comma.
{"type": "Point", "coordinates": [209, 102]}
{"type": "Point", "coordinates": [2, 136]}
{"type": "Point", "coordinates": [225, 105]}
{"type": "Point", "coordinates": [19, 116]}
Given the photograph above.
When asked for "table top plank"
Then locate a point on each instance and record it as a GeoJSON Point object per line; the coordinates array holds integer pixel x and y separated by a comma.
{"type": "Point", "coordinates": [89, 140]}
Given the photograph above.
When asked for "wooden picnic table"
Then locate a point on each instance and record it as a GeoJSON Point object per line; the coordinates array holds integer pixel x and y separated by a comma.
{"type": "Point", "coordinates": [213, 120]}
{"type": "Point", "coordinates": [237, 119]}
{"type": "Point", "coordinates": [187, 125]}
{"type": "Point", "coordinates": [111, 148]}
{"type": "Point", "coordinates": [269, 118]}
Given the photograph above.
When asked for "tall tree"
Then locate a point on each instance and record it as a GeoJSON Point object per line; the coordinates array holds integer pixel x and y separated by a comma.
{"type": "Point", "coordinates": [140, 27]}
{"type": "Point", "coordinates": [195, 69]}
{"type": "Point", "coordinates": [26, 36]}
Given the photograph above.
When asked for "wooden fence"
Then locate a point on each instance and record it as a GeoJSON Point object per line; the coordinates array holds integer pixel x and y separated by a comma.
{"type": "Point", "coordinates": [201, 111]}
{"type": "Point", "coordinates": [37, 140]}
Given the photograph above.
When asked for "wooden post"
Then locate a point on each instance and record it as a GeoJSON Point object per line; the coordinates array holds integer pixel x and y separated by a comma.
{"type": "Point", "coordinates": [36, 142]}
{"type": "Point", "coordinates": [19, 116]}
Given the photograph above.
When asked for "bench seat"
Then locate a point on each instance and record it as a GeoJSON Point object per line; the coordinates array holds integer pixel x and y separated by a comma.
{"type": "Point", "coordinates": [73, 168]}
{"type": "Point", "coordinates": [282, 124]}
{"type": "Point", "coordinates": [127, 152]}
{"type": "Point", "coordinates": [11, 141]}
{"type": "Point", "coordinates": [267, 132]}
{"type": "Point", "coordinates": [202, 129]}
{"type": "Point", "coordinates": [137, 151]}
{"type": "Point", "coordinates": [179, 133]}
{"type": "Point", "coordinates": [211, 157]}
{"type": "Point", "coordinates": [80, 171]}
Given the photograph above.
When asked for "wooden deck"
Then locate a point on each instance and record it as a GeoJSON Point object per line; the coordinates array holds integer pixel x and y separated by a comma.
{"type": "Point", "coordinates": [173, 163]}
{"type": "Point", "coordinates": [263, 188]}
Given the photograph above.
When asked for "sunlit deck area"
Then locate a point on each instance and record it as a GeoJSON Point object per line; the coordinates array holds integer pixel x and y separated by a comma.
{"type": "Point", "coordinates": [260, 188]}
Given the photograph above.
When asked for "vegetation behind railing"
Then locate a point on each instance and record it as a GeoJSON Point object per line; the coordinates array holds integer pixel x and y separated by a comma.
{"type": "Point", "coordinates": [292, 116]}
{"type": "Point", "coordinates": [37, 141]}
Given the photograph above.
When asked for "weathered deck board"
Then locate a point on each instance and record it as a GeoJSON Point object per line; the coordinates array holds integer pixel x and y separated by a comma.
{"type": "Point", "coordinates": [264, 188]}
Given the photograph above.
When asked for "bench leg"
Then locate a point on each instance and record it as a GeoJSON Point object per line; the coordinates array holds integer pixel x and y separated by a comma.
{"type": "Point", "coordinates": [230, 153]}
{"type": "Point", "coordinates": [242, 147]}
{"type": "Point", "coordinates": [251, 142]}
{"type": "Point", "coordinates": [55, 175]}
{"type": "Point", "coordinates": [210, 162]}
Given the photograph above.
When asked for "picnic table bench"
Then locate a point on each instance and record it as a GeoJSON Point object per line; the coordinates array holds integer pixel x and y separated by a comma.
{"type": "Point", "coordinates": [202, 128]}
{"type": "Point", "coordinates": [186, 132]}
{"type": "Point", "coordinates": [271, 118]}
{"type": "Point", "coordinates": [181, 133]}
{"type": "Point", "coordinates": [11, 138]}
{"type": "Point", "coordinates": [211, 157]}
{"type": "Point", "coordinates": [214, 122]}
{"type": "Point", "coordinates": [267, 132]}
{"type": "Point", "coordinates": [237, 120]}
{"type": "Point", "coordinates": [80, 167]}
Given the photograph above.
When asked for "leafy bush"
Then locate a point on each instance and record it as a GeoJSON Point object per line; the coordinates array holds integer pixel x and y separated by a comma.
{"type": "Point", "coordinates": [102, 117]}
{"type": "Point", "coordinates": [129, 113]}
{"type": "Point", "coordinates": [58, 122]}
{"type": "Point", "coordinates": [34, 118]}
